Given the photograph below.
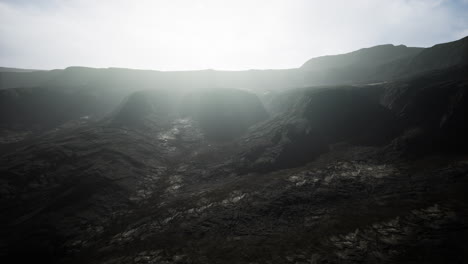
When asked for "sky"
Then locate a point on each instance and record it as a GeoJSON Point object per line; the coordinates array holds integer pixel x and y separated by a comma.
{"type": "Point", "coordinates": [214, 34]}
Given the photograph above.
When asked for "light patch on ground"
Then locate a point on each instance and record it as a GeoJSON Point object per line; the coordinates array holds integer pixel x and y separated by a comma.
{"type": "Point", "coordinates": [358, 171]}
{"type": "Point", "coordinates": [234, 197]}
{"type": "Point", "coordinates": [146, 185]}
{"type": "Point", "coordinates": [175, 183]}
{"type": "Point", "coordinates": [303, 178]}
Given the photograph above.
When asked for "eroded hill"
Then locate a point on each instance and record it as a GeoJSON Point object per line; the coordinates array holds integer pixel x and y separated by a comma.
{"type": "Point", "coordinates": [369, 173]}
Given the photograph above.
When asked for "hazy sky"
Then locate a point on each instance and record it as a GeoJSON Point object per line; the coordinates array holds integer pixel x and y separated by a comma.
{"type": "Point", "coordinates": [216, 34]}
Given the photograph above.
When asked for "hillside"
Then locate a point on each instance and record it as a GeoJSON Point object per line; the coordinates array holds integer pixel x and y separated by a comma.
{"type": "Point", "coordinates": [128, 166]}
{"type": "Point", "coordinates": [364, 58]}
{"type": "Point", "coordinates": [385, 62]}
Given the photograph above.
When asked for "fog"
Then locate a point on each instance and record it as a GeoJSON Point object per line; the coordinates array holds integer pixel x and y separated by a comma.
{"type": "Point", "coordinates": [233, 131]}
{"type": "Point", "coordinates": [209, 34]}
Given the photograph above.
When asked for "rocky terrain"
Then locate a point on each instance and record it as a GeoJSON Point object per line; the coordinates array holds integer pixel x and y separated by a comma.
{"type": "Point", "coordinates": [356, 173]}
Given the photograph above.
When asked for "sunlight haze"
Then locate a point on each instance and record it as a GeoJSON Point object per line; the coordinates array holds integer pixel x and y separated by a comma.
{"type": "Point", "coordinates": [209, 34]}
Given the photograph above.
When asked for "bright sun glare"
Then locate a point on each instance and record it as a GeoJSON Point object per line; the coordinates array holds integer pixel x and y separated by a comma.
{"type": "Point", "coordinates": [231, 35]}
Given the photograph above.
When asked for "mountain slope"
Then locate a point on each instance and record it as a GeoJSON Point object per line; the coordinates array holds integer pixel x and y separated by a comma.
{"type": "Point", "coordinates": [363, 58]}
{"type": "Point", "coordinates": [375, 64]}
{"type": "Point", "coordinates": [373, 173]}
{"type": "Point", "coordinates": [5, 69]}
{"type": "Point", "coordinates": [440, 56]}
{"type": "Point", "coordinates": [365, 65]}
{"type": "Point", "coordinates": [384, 63]}
{"type": "Point", "coordinates": [318, 181]}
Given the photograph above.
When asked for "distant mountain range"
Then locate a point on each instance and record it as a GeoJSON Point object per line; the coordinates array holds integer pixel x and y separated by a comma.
{"type": "Point", "coordinates": [385, 62]}
{"type": "Point", "coordinates": [96, 92]}
{"type": "Point", "coordinates": [353, 158]}
{"type": "Point", "coordinates": [4, 69]}
{"type": "Point", "coordinates": [375, 64]}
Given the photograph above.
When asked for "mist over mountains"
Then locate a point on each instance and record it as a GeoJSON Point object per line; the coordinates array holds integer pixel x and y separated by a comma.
{"type": "Point", "coordinates": [351, 158]}
{"type": "Point", "coordinates": [108, 87]}
{"type": "Point", "coordinates": [369, 64]}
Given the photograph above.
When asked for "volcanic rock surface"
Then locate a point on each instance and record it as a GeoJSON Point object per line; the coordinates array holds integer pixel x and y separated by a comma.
{"type": "Point", "coordinates": [362, 173]}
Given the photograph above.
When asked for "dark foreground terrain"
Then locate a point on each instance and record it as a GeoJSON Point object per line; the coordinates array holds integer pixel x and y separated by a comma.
{"type": "Point", "coordinates": [362, 173]}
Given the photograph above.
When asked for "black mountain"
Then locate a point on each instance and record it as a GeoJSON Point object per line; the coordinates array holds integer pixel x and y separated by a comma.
{"type": "Point", "coordinates": [130, 166]}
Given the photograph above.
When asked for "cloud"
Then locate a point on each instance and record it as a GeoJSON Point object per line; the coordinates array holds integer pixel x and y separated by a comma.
{"type": "Point", "coordinates": [240, 34]}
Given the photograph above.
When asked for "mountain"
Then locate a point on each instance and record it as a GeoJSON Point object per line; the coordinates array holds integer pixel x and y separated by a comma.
{"type": "Point", "coordinates": [5, 69]}
{"type": "Point", "coordinates": [439, 56]}
{"type": "Point", "coordinates": [220, 113]}
{"type": "Point", "coordinates": [316, 119]}
{"type": "Point", "coordinates": [365, 65]}
{"type": "Point", "coordinates": [129, 166]}
{"type": "Point", "coordinates": [363, 58]}
{"type": "Point", "coordinates": [375, 64]}
{"type": "Point", "coordinates": [45, 108]}
{"type": "Point", "coordinates": [383, 63]}
{"type": "Point", "coordinates": [76, 77]}
{"type": "Point", "coordinates": [433, 107]}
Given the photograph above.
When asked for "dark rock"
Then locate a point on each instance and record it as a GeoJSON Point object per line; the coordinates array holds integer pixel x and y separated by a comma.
{"type": "Point", "coordinates": [318, 118]}
{"type": "Point", "coordinates": [223, 113]}
{"type": "Point", "coordinates": [42, 108]}
{"type": "Point", "coordinates": [437, 104]}
{"type": "Point", "coordinates": [157, 181]}
{"type": "Point", "coordinates": [155, 106]}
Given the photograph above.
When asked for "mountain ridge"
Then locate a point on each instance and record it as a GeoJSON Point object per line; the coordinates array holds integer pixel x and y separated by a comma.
{"type": "Point", "coordinates": [118, 166]}
{"type": "Point", "coordinates": [377, 63]}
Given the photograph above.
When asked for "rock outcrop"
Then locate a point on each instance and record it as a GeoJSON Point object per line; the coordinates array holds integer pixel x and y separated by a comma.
{"type": "Point", "coordinates": [222, 114]}
{"type": "Point", "coordinates": [434, 104]}
{"type": "Point", "coordinates": [319, 117]}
